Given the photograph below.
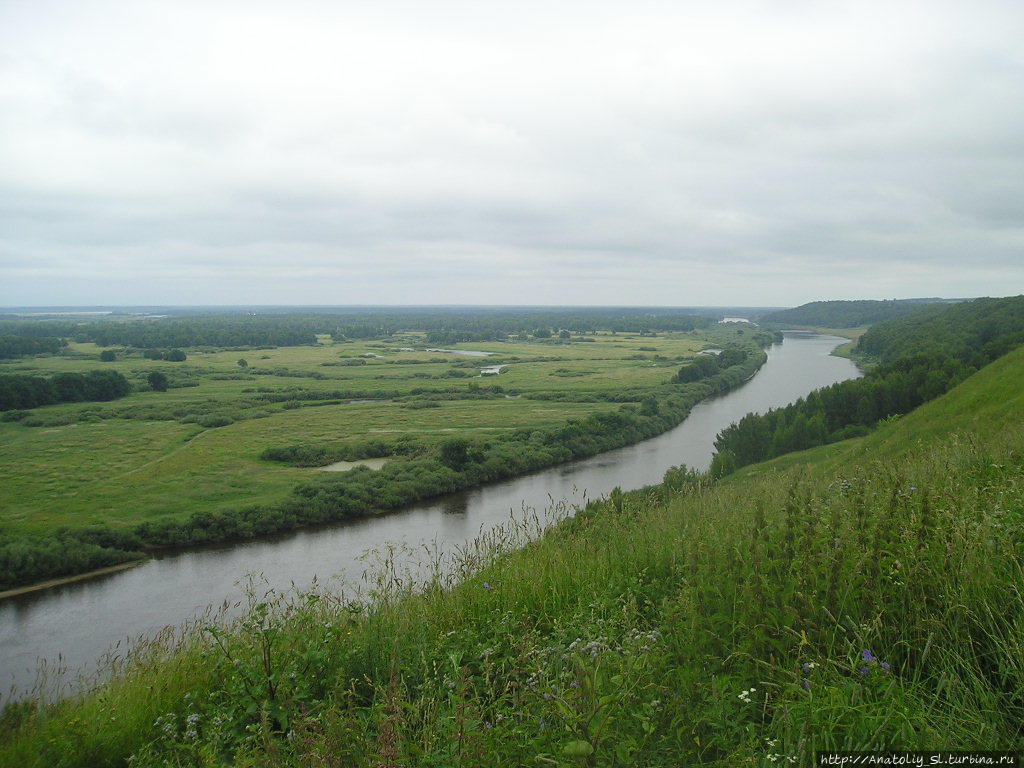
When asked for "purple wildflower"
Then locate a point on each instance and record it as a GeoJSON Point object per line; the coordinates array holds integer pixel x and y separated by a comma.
{"type": "Point", "coordinates": [867, 655]}
{"type": "Point", "coordinates": [487, 585]}
{"type": "Point", "coordinates": [863, 670]}
{"type": "Point", "coordinates": [886, 666]}
{"type": "Point", "coordinates": [807, 684]}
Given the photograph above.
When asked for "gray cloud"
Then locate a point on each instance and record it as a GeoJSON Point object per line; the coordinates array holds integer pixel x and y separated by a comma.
{"type": "Point", "coordinates": [684, 153]}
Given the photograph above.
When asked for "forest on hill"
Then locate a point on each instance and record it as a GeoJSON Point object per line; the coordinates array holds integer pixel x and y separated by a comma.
{"type": "Point", "coordinates": [845, 314]}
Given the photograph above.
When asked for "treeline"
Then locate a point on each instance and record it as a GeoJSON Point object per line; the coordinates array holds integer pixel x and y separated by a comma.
{"type": "Point", "coordinates": [294, 328]}
{"type": "Point", "coordinates": [21, 346]}
{"type": "Point", "coordinates": [846, 314]}
{"type": "Point", "coordinates": [926, 355]}
{"type": "Point", "coordinates": [171, 333]}
{"type": "Point", "coordinates": [498, 326]}
{"type": "Point", "coordinates": [23, 392]}
{"type": "Point", "coordinates": [454, 465]}
{"type": "Point", "coordinates": [449, 336]}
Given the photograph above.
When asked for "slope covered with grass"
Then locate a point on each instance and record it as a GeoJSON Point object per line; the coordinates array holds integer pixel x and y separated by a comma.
{"type": "Point", "coordinates": [874, 601]}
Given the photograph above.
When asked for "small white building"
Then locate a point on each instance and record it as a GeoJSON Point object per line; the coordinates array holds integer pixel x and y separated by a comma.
{"type": "Point", "coordinates": [733, 319]}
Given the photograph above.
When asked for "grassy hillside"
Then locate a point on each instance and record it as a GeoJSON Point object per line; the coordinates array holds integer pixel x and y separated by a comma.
{"type": "Point", "coordinates": [872, 600]}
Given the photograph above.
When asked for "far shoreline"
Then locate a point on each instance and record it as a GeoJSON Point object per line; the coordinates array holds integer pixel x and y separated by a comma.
{"type": "Point", "coordinates": [49, 583]}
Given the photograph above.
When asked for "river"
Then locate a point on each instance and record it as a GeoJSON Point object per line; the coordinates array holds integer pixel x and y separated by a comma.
{"type": "Point", "coordinates": [78, 622]}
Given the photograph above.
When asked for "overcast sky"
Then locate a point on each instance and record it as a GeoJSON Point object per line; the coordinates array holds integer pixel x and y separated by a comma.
{"type": "Point", "coordinates": [437, 151]}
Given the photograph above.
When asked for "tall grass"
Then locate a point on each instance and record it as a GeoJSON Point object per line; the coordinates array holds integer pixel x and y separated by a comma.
{"type": "Point", "coordinates": [750, 623]}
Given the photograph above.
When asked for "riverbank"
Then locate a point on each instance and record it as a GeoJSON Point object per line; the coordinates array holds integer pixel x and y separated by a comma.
{"type": "Point", "coordinates": [50, 583]}
{"type": "Point", "coordinates": [753, 622]}
{"type": "Point", "coordinates": [843, 350]}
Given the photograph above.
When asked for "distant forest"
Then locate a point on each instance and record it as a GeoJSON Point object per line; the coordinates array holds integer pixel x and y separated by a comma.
{"type": "Point", "coordinates": [20, 346]}
{"type": "Point", "coordinates": [846, 314]}
{"type": "Point", "coordinates": [296, 328]}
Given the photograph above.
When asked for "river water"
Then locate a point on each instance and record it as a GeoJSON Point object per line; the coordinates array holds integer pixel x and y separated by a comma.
{"type": "Point", "coordinates": [78, 622]}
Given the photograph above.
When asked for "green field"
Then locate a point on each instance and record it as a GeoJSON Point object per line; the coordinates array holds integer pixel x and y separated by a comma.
{"type": "Point", "coordinates": [149, 455]}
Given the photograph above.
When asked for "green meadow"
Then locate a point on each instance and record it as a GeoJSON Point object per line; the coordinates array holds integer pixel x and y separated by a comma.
{"type": "Point", "coordinates": [154, 455]}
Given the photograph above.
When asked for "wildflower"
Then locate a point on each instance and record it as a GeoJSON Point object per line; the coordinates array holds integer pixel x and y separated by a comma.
{"type": "Point", "coordinates": [806, 684]}
{"type": "Point", "coordinates": [808, 666]}
{"type": "Point", "coordinates": [487, 585]}
{"type": "Point", "coordinates": [863, 670]}
{"type": "Point", "coordinates": [867, 655]}
{"type": "Point", "coordinates": [886, 666]}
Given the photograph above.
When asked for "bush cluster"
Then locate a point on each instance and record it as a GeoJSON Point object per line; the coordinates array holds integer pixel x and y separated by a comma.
{"type": "Point", "coordinates": [23, 392]}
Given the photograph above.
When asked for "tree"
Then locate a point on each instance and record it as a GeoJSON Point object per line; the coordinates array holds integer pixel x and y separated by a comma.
{"type": "Point", "coordinates": [175, 356]}
{"type": "Point", "coordinates": [455, 453]}
{"type": "Point", "coordinates": [722, 464]}
{"type": "Point", "coordinates": [108, 356]}
{"type": "Point", "coordinates": [541, 333]}
{"type": "Point", "coordinates": [157, 381]}
{"type": "Point", "coordinates": [564, 334]}
{"type": "Point", "coordinates": [243, 363]}
{"type": "Point", "coordinates": [732, 356]}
